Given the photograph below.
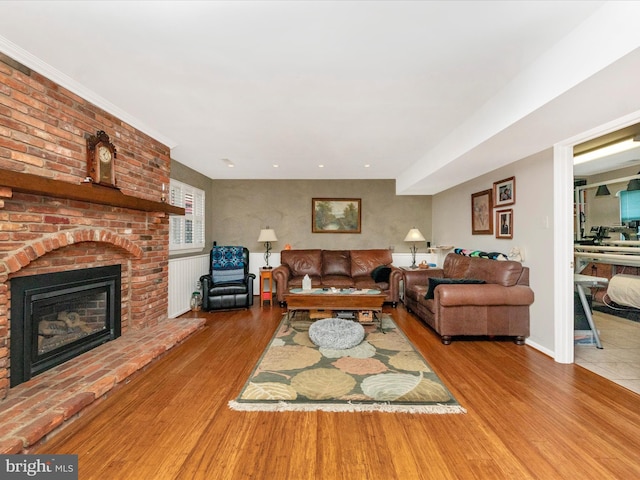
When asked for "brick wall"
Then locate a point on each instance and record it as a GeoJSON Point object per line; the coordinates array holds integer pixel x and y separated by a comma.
{"type": "Point", "coordinates": [43, 129]}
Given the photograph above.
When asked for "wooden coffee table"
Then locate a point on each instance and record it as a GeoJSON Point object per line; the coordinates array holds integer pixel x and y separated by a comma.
{"type": "Point", "coordinates": [349, 300]}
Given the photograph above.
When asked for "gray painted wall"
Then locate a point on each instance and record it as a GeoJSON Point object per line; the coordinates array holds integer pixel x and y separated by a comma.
{"type": "Point", "coordinates": [238, 209]}
{"type": "Point", "coordinates": [243, 207]}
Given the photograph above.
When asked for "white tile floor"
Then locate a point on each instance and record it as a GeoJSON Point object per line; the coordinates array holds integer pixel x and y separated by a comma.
{"type": "Point", "coordinates": [619, 359]}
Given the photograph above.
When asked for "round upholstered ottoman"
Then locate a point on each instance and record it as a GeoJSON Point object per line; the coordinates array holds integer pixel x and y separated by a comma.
{"type": "Point", "coordinates": [336, 333]}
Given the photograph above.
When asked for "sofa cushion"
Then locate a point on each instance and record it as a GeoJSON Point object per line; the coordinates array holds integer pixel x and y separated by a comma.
{"type": "Point", "coordinates": [365, 282]}
{"type": "Point", "coordinates": [434, 282]}
{"type": "Point", "coordinates": [296, 282]}
{"type": "Point", "coordinates": [228, 276]}
{"type": "Point", "coordinates": [364, 261]}
{"type": "Point", "coordinates": [456, 266]}
{"type": "Point", "coordinates": [228, 289]}
{"type": "Point", "coordinates": [336, 262]}
{"type": "Point", "coordinates": [338, 281]}
{"type": "Point", "coordinates": [303, 262]}
{"type": "Point", "coordinates": [416, 292]}
{"type": "Point", "coordinates": [505, 273]}
{"type": "Point", "coordinates": [381, 273]}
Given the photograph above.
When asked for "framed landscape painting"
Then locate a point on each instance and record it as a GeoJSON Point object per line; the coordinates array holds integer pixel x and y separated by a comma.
{"type": "Point", "coordinates": [481, 213]}
{"type": "Point", "coordinates": [335, 215]}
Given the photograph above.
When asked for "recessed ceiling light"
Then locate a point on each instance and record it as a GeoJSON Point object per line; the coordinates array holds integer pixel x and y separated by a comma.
{"type": "Point", "coordinates": [320, 166]}
{"type": "Point", "coordinates": [367, 165]}
{"type": "Point", "coordinates": [228, 162]}
{"type": "Point", "coordinates": [275, 165]}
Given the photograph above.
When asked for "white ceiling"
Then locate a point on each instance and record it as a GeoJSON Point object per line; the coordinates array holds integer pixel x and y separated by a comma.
{"type": "Point", "coordinates": [405, 87]}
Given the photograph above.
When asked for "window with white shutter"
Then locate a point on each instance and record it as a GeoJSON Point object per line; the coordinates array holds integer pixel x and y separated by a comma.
{"type": "Point", "coordinates": [186, 233]}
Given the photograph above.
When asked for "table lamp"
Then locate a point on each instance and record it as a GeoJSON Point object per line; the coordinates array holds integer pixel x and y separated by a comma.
{"type": "Point", "coordinates": [267, 235]}
{"type": "Point", "coordinates": [414, 236]}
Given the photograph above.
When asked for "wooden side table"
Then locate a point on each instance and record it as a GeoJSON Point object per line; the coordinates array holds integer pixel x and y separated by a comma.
{"type": "Point", "coordinates": [266, 291]}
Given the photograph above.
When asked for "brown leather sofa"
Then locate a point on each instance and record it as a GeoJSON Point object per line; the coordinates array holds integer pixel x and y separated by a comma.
{"type": "Point", "coordinates": [497, 307]}
{"type": "Point", "coordinates": [338, 268]}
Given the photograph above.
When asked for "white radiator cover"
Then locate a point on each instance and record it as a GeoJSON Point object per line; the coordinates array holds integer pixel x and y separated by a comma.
{"type": "Point", "coordinates": [184, 274]}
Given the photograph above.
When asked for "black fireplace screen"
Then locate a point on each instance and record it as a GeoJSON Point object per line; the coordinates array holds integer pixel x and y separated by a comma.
{"type": "Point", "coordinates": [55, 317]}
{"type": "Point", "coordinates": [63, 321]}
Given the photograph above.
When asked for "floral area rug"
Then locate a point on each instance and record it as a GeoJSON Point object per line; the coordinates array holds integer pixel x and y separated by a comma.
{"type": "Point", "coordinates": [383, 373]}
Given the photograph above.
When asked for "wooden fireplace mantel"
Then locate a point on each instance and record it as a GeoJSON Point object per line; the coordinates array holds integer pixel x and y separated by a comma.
{"type": "Point", "coordinates": [88, 192]}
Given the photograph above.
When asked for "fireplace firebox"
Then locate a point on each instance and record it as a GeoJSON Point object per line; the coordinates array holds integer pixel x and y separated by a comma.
{"type": "Point", "coordinates": [58, 316]}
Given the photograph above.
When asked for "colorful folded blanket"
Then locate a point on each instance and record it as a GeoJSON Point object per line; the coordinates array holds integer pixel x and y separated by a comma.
{"type": "Point", "coordinates": [227, 264]}
{"type": "Point", "coordinates": [481, 254]}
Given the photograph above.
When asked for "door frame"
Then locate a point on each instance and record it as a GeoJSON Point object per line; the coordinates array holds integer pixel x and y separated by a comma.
{"type": "Point", "coordinates": [563, 234]}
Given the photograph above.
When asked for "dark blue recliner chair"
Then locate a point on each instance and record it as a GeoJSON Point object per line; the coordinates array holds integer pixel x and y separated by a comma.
{"type": "Point", "coordinates": [227, 287]}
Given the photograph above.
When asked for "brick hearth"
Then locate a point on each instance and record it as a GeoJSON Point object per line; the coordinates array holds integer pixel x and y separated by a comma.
{"type": "Point", "coordinates": [46, 403]}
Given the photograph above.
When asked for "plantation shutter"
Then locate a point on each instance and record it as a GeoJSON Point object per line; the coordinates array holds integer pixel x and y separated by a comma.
{"type": "Point", "coordinates": [186, 233]}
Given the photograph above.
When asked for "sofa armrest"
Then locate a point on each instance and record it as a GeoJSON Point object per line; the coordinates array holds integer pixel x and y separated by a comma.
{"type": "Point", "coordinates": [394, 284]}
{"type": "Point", "coordinates": [484, 294]}
{"type": "Point", "coordinates": [281, 276]}
{"type": "Point", "coordinates": [206, 281]}
{"type": "Point", "coordinates": [249, 278]}
{"type": "Point", "coordinates": [420, 276]}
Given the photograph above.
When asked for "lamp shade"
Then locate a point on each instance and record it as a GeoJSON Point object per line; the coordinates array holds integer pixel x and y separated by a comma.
{"type": "Point", "coordinates": [267, 235]}
{"type": "Point", "coordinates": [602, 191]}
{"type": "Point", "coordinates": [414, 235]}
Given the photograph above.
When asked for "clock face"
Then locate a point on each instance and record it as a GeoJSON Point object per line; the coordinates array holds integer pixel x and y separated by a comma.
{"type": "Point", "coordinates": [101, 156]}
{"type": "Point", "coordinates": [104, 154]}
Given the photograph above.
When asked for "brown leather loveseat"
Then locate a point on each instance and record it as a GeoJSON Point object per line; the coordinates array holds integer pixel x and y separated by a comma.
{"type": "Point", "coordinates": [340, 269]}
{"type": "Point", "coordinates": [499, 306]}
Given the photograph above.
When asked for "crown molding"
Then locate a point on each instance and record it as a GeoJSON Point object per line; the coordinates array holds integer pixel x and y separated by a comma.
{"type": "Point", "coordinates": [31, 61]}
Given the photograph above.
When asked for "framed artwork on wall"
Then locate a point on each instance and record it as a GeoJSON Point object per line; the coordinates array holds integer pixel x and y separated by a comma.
{"type": "Point", "coordinates": [504, 222]}
{"type": "Point", "coordinates": [335, 215]}
{"type": "Point", "coordinates": [504, 192]}
{"type": "Point", "coordinates": [481, 213]}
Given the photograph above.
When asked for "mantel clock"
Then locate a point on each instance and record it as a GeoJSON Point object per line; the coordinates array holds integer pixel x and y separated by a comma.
{"type": "Point", "coordinates": [101, 154]}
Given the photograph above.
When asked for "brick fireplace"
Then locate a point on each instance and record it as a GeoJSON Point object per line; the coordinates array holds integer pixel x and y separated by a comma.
{"type": "Point", "coordinates": [56, 225]}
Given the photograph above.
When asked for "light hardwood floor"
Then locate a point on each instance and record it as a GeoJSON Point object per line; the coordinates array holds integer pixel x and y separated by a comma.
{"type": "Point", "coordinates": [527, 418]}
